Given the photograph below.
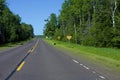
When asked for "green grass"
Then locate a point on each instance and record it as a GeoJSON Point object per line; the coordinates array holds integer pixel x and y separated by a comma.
{"type": "Point", "coordinates": [8, 46]}
{"type": "Point", "coordinates": [108, 57]}
{"type": "Point", "coordinates": [11, 45]}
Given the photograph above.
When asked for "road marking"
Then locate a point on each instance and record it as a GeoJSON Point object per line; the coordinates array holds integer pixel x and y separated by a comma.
{"type": "Point", "coordinates": [75, 61]}
{"type": "Point", "coordinates": [21, 65]}
{"type": "Point", "coordinates": [102, 77]}
{"type": "Point", "coordinates": [86, 67]}
{"type": "Point", "coordinates": [34, 46]}
{"type": "Point", "coordinates": [32, 49]}
{"type": "Point", "coordinates": [81, 64]}
{"type": "Point", "coordinates": [29, 51]}
{"type": "Point", "coordinates": [93, 72]}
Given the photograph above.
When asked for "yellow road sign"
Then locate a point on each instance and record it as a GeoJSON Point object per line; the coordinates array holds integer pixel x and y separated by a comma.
{"type": "Point", "coordinates": [58, 37]}
{"type": "Point", "coordinates": [69, 37]}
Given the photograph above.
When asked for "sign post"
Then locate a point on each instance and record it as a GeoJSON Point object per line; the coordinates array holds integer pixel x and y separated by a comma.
{"type": "Point", "coordinates": [69, 38]}
{"type": "Point", "coordinates": [58, 37]}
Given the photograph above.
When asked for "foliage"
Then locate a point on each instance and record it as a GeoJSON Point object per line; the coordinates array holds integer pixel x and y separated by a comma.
{"type": "Point", "coordinates": [51, 25]}
{"type": "Point", "coordinates": [89, 22]}
{"type": "Point", "coordinates": [11, 28]}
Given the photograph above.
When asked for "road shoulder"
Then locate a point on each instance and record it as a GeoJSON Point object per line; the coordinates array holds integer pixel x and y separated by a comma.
{"type": "Point", "coordinates": [95, 65]}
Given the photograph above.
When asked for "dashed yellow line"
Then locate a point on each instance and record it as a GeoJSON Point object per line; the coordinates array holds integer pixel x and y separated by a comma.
{"type": "Point", "coordinates": [34, 46]}
{"type": "Point", "coordinates": [29, 51]}
{"type": "Point", "coordinates": [21, 65]}
{"type": "Point", "coordinates": [32, 50]}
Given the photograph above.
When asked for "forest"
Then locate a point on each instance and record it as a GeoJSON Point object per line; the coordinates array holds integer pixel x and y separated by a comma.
{"type": "Point", "coordinates": [89, 22]}
{"type": "Point", "coordinates": [11, 27]}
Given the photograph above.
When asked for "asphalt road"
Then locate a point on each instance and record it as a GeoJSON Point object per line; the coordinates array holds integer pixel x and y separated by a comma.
{"type": "Point", "coordinates": [38, 60]}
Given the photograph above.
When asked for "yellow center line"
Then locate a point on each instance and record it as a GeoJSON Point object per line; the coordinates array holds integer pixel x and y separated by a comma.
{"type": "Point", "coordinates": [21, 65]}
{"type": "Point", "coordinates": [29, 51]}
{"type": "Point", "coordinates": [34, 47]}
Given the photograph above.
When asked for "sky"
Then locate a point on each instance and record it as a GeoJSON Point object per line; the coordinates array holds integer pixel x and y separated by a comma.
{"type": "Point", "coordinates": [34, 12]}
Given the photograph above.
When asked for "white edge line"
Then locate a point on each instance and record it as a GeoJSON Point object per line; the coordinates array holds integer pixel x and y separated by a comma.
{"type": "Point", "coordinates": [102, 77]}
{"type": "Point", "coordinates": [75, 61]}
{"type": "Point", "coordinates": [86, 67]}
{"type": "Point", "coordinates": [93, 72]}
{"type": "Point", "coordinates": [81, 64]}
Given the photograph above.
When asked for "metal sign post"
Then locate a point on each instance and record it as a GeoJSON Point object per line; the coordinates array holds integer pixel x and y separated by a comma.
{"type": "Point", "coordinates": [69, 38]}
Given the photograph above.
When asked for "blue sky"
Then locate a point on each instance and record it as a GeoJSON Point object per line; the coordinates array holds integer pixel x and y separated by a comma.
{"type": "Point", "coordinates": [35, 11]}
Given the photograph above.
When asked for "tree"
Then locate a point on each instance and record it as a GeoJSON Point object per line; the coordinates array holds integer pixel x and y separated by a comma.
{"type": "Point", "coordinates": [11, 26]}
{"type": "Point", "coordinates": [51, 25]}
{"type": "Point", "coordinates": [89, 22]}
{"type": "Point", "coordinates": [2, 6]}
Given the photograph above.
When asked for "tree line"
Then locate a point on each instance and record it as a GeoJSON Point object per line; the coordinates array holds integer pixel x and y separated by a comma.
{"type": "Point", "coordinates": [11, 27]}
{"type": "Point", "coordinates": [89, 22]}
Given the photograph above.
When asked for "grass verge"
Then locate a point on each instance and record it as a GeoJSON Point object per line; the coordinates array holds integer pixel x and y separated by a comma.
{"type": "Point", "coordinates": [7, 46]}
{"type": "Point", "coordinates": [11, 45]}
{"type": "Point", "coordinates": [107, 57]}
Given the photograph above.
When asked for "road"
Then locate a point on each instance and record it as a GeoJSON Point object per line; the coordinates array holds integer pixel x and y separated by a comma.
{"type": "Point", "coordinates": [38, 60]}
